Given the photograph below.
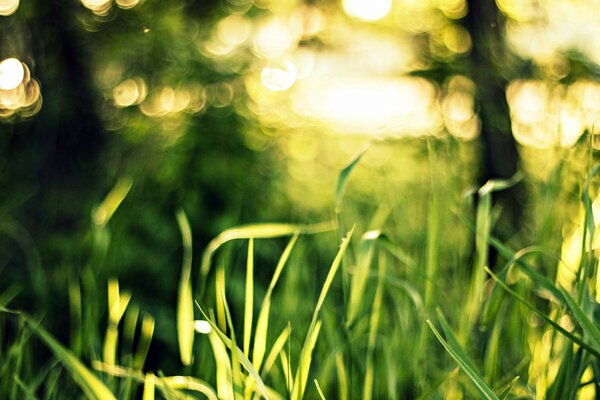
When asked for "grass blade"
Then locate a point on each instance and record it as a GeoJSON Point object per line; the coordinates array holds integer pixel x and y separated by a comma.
{"type": "Point", "coordinates": [91, 385]}
{"type": "Point", "coordinates": [262, 324]}
{"type": "Point", "coordinates": [359, 281]}
{"type": "Point", "coordinates": [256, 231]}
{"type": "Point", "coordinates": [311, 337]}
{"type": "Point", "coordinates": [148, 387]}
{"type": "Point", "coordinates": [146, 333]}
{"type": "Point", "coordinates": [465, 364]}
{"type": "Point", "coordinates": [104, 212]}
{"type": "Point", "coordinates": [249, 300]}
{"type": "Point", "coordinates": [185, 303]}
{"type": "Point", "coordinates": [321, 395]}
{"type": "Point", "coordinates": [589, 327]}
{"type": "Point", "coordinates": [343, 178]}
{"type": "Point", "coordinates": [240, 354]}
{"type": "Point", "coordinates": [556, 326]}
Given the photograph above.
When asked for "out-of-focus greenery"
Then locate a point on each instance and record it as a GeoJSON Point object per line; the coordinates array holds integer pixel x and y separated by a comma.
{"type": "Point", "coordinates": [402, 146]}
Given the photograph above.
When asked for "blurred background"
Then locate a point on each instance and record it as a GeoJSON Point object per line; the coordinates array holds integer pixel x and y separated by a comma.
{"type": "Point", "coordinates": [241, 111]}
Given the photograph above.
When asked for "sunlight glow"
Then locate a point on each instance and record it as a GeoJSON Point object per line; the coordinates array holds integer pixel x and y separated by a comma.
{"type": "Point", "coordinates": [546, 115]}
{"type": "Point", "coordinates": [404, 106]}
{"type": "Point", "coordinates": [11, 73]}
{"type": "Point", "coordinates": [273, 39]}
{"type": "Point", "coordinates": [8, 7]}
{"type": "Point", "coordinates": [367, 10]}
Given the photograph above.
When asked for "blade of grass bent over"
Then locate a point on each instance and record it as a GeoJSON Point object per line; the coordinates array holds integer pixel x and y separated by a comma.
{"type": "Point", "coordinates": [256, 231]}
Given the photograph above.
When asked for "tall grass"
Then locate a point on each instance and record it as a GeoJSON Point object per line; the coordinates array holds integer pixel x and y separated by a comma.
{"type": "Point", "coordinates": [375, 318]}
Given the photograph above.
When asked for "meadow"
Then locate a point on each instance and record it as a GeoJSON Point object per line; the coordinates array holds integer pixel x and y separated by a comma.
{"type": "Point", "coordinates": [341, 308]}
{"type": "Point", "coordinates": [299, 199]}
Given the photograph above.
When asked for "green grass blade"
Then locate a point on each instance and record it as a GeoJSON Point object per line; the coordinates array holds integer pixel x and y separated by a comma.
{"type": "Point", "coordinates": [343, 179]}
{"type": "Point", "coordinates": [506, 391]}
{"type": "Point", "coordinates": [146, 333]}
{"type": "Point", "coordinates": [311, 337]}
{"type": "Point", "coordinates": [249, 300]}
{"type": "Point", "coordinates": [262, 324]}
{"type": "Point", "coordinates": [185, 303]}
{"type": "Point", "coordinates": [104, 212]}
{"type": "Point", "coordinates": [91, 385]}
{"type": "Point", "coordinates": [590, 329]}
{"type": "Point", "coordinates": [556, 326]}
{"type": "Point", "coordinates": [236, 373]}
{"type": "Point", "coordinates": [373, 330]}
{"type": "Point", "coordinates": [149, 383]}
{"type": "Point", "coordinates": [240, 354]}
{"type": "Point", "coordinates": [321, 395]}
{"type": "Point", "coordinates": [276, 349]}
{"type": "Point", "coordinates": [361, 274]}
{"type": "Point", "coordinates": [192, 384]}
{"type": "Point", "coordinates": [303, 370]}
{"type": "Point", "coordinates": [465, 364]}
{"type": "Point", "coordinates": [223, 366]}
{"type": "Point", "coordinates": [256, 231]}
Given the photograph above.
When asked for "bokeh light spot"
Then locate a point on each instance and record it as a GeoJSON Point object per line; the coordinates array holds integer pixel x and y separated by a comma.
{"type": "Point", "coordinates": [8, 7]}
{"type": "Point", "coordinates": [279, 77]}
{"type": "Point", "coordinates": [367, 10]}
{"type": "Point", "coordinates": [11, 73]}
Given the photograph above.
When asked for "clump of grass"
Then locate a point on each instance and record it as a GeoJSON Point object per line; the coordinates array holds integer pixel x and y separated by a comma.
{"type": "Point", "coordinates": [371, 323]}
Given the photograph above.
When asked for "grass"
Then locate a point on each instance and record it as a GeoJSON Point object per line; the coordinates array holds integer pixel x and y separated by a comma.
{"type": "Point", "coordinates": [375, 318]}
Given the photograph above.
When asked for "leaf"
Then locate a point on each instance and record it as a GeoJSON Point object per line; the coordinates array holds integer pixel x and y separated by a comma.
{"type": "Point", "coordinates": [185, 303]}
{"type": "Point", "coordinates": [458, 354]}
{"type": "Point", "coordinates": [91, 385]}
